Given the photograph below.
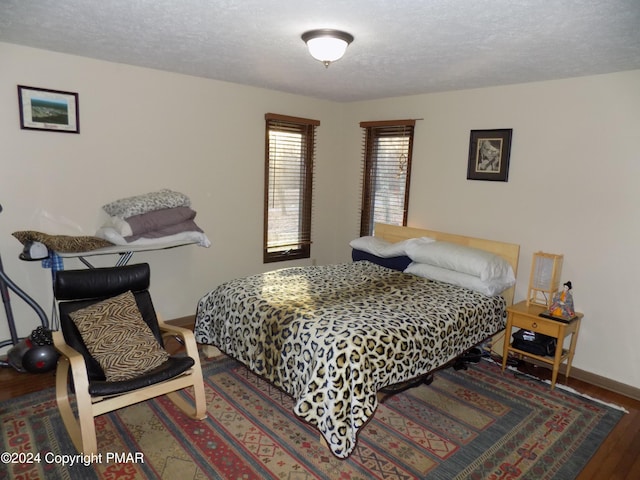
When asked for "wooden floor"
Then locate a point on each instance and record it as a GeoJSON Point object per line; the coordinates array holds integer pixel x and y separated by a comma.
{"type": "Point", "coordinates": [618, 457]}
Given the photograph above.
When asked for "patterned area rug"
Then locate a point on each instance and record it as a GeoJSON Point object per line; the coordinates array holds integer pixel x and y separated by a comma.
{"type": "Point", "coordinates": [468, 424]}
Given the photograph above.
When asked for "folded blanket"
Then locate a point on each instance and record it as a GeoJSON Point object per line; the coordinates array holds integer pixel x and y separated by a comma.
{"type": "Point", "coordinates": [114, 237]}
{"type": "Point", "coordinates": [186, 226]}
{"type": "Point", "coordinates": [150, 221]}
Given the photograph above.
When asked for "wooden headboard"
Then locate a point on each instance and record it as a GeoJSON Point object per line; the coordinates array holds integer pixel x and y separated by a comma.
{"type": "Point", "coordinates": [508, 251]}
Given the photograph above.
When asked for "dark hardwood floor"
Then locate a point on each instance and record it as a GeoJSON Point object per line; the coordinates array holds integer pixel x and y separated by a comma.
{"type": "Point", "coordinates": [618, 457]}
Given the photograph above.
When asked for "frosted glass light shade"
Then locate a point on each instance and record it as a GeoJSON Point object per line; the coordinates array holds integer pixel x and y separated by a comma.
{"type": "Point", "coordinates": [327, 45]}
{"type": "Point", "coordinates": [543, 272]}
{"type": "Point", "coordinates": [544, 281]}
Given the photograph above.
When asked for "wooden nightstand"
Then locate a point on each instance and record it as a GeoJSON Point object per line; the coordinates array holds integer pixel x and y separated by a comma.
{"type": "Point", "coordinates": [526, 316]}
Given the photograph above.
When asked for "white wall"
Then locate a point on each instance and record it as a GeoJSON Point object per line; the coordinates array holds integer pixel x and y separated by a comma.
{"type": "Point", "coordinates": [142, 130]}
{"type": "Point", "coordinates": [570, 188]}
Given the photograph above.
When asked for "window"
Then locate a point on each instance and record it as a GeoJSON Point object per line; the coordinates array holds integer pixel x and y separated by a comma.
{"type": "Point", "coordinates": [288, 182]}
{"type": "Point", "coordinates": [386, 173]}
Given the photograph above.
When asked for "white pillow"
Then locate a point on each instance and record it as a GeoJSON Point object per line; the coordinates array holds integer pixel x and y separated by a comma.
{"type": "Point", "coordinates": [486, 287]}
{"type": "Point", "coordinates": [111, 235]}
{"type": "Point", "coordinates": [382, 248]}
{"type": "Point", "coordinates": [472, 261]}
{"type": "Point", "coordinates": [120, 225]}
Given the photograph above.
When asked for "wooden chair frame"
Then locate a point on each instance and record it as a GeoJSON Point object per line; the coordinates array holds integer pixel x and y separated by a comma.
{"type": "Point", "coordinates": [82, 428]}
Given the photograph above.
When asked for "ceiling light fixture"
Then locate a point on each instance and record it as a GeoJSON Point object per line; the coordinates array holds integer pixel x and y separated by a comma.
{"type": "Point", "coordinates": [327, 45]}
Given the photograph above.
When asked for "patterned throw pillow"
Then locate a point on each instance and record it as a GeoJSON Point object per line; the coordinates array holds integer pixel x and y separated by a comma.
{"type": "Point", "coordinates": [147, 202]}
{"type": "Point", "coordinates": [62, 243]}
{"type": "Point", "coordinates": [118, 338]}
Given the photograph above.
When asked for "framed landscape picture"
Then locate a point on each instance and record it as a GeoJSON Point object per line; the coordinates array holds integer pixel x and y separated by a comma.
{"type": "Point", "coordinates": [44, 109]}
{"type": "Point", "coordinates": [489, 152]}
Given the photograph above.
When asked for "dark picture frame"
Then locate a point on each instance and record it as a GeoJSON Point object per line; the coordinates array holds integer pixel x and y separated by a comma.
{"type": "Point", "coordinates": [50, 110]}
{"type": "Point", "coordinates": [489, 152]}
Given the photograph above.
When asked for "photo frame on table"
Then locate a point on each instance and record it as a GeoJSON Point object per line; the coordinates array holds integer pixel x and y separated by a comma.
{"type": "Point", "coordinates": [51, 110]}
{"type": "Point", "coordinates": [489, 152]}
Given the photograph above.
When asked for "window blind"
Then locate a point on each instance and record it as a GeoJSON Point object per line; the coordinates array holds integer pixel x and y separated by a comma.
{"type": "Point", "coordinates": [290, 147]}
{"type": "Point", "coordinates": [387, 148]}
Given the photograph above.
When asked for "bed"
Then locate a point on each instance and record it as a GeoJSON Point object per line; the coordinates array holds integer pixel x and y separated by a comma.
{"type": "Point", "coordinates": [332, 336]}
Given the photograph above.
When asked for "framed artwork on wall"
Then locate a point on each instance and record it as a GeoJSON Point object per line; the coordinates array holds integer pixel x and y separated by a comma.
{"type": "Point", "coordinates": [489, 152]}
{"type": "Point", "coordinates": [52, 110]}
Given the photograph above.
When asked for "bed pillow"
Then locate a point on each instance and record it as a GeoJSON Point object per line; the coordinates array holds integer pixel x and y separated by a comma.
{"type": "Point", "coordinates": [148, 202]}
{"type": "Point", "coordinates": [459, 258]}
{"type": "Point", "coordinates": [118, 338]}
{"type": "Point", "coordinates": [487, 287]}
{"type": "Point", "coordinates": [381, 248]}
{"type": "Point", "coordinates": [395, 263]}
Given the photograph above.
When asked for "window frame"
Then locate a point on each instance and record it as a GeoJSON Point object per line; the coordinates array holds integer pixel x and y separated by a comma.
{"type": "Point", "coordinates": [302, 244]}
{"type": "Point", "coordinates": [371, 132]}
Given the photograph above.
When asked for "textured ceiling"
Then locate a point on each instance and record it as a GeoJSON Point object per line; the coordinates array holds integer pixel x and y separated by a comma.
{"type": "Point", "coordinates": [401, 47]}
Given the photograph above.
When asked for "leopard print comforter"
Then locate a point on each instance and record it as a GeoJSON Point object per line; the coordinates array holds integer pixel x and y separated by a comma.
{"type": "Point", "coordinates": [332, 336]}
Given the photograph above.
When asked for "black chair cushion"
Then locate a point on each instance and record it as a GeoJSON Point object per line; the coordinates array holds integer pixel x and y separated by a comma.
{"type": "Point", "coordinates": [169, 369]}
{"type": "Point", "coordinates": [100, 283]}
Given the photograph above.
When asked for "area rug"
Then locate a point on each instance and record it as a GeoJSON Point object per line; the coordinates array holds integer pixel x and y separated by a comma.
{"type": "Point", "coordinates": [468, 424]}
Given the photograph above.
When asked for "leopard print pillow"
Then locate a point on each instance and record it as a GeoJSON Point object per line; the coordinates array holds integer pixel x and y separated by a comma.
{"type": "Point", "coordinates": [145, 203]}
{"type": "Point", "coordinates": [62, 243]}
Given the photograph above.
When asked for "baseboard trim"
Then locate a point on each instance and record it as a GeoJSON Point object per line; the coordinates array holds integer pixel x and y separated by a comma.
{"type": "Point", "coordinates": [604, 382]}
{"type": "Point", "coordinates": [593, 379]}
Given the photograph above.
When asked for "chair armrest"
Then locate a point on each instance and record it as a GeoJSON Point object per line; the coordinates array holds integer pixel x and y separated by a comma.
{"type": "Point", "coordinates": [64, 348]}
{"type": "Point", "coordinates": [76, 361]}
